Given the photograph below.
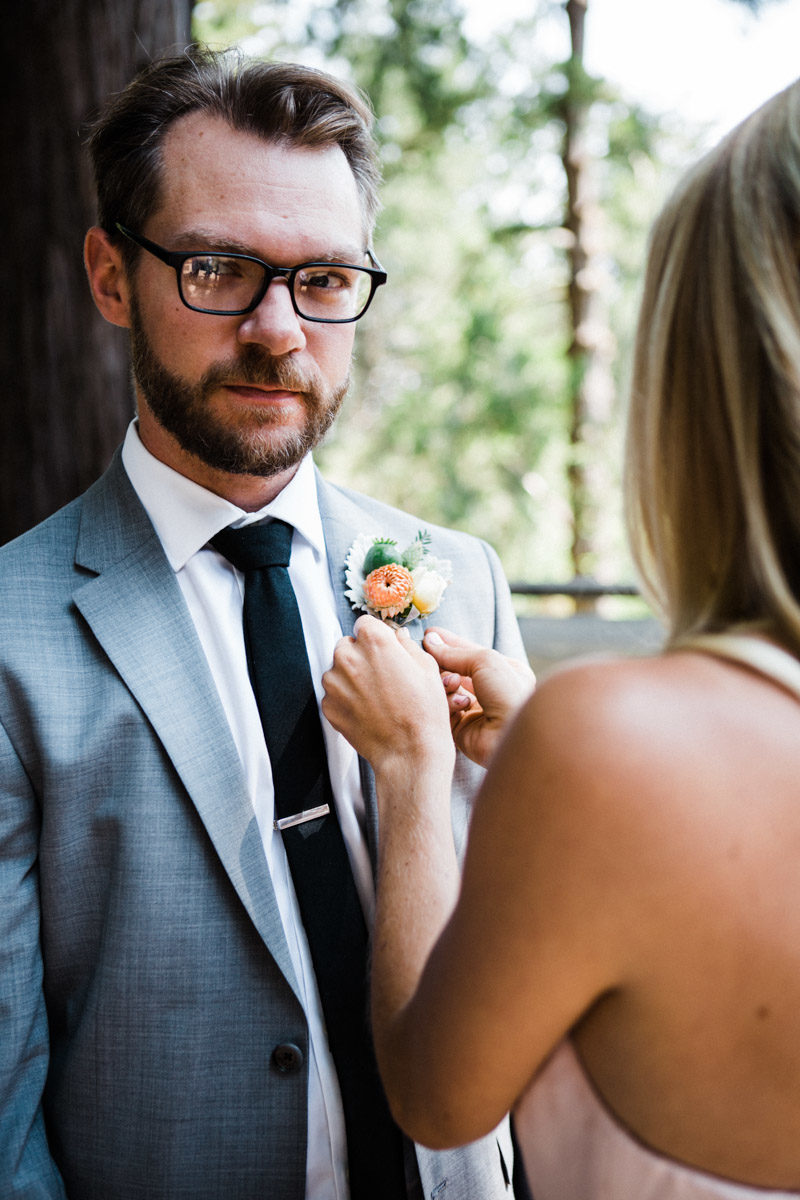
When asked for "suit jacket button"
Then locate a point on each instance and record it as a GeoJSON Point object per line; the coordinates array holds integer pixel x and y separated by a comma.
{"type": "Point", "coordinates": [287, 1058]}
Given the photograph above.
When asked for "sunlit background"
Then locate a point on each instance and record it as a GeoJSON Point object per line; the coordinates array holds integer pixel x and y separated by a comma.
{"type": "Point", "coordinates": [463, 405]}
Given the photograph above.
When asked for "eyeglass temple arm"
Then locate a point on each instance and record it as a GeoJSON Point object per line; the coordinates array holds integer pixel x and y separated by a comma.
{"type": "Point", "coordinates": [144, 243]}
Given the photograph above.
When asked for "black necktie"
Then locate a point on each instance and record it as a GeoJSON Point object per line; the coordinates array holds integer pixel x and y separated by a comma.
{"type": "Point", "coordinates": [326, 892]}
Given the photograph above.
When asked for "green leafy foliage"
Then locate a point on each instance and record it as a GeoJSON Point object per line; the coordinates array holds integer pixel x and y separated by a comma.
{"type": "Point", "coordinates": [458, 410]}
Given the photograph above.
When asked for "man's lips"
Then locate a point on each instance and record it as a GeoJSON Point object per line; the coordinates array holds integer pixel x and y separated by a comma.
{"type": "Point", "coordinates": [271, 392]}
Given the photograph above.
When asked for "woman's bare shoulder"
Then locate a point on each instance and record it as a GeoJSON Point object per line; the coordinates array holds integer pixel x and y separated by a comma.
{"type": "Point", "coordinates": [601, 706]}
{"type": "Point", "coordinates": [636, 729]}
{"type": "Point", "coordinates": [648, 729]}
{"type": "Point", "coordinates": [657, 697]}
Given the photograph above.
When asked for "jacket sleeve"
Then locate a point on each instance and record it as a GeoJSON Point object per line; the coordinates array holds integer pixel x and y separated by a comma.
{"type": "Point", "coordinates": [507, 636]}
{"type": "Point", "coordinates": [27, 1170]}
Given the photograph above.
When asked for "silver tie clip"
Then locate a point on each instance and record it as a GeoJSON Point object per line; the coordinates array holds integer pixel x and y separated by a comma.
{"type": "Point", "coordinates": [310, 814]}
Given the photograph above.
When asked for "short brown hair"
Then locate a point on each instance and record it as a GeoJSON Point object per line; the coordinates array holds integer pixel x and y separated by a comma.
{"type": "Point", "coordinates": [281, 102]}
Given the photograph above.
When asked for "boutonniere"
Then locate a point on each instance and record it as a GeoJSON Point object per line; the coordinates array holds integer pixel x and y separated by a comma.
{"type": "Point", "coordinates": [395, 585]}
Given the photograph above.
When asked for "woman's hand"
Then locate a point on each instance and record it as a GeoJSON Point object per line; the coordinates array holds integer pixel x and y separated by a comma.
{"type": "Point", "coordinates": [485, 689]}
{"type": "Point", "coordinates": [384, 694]}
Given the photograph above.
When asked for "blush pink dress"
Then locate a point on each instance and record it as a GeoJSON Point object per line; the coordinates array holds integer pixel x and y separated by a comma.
{"type": "Point", "coordinates": [572, 1145]}
{"type": "Point", "coordinates": [573, 1148]}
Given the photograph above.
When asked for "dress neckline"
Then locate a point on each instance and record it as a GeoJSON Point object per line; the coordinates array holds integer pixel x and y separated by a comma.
{"type": "Point", "coordinates": [750, 650]}
{"type": "Point", "coordinates": [573, 1144]}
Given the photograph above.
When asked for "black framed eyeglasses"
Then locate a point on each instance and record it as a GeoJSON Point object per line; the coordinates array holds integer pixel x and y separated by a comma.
{"type": "Point", "coordinates": [230, 285]}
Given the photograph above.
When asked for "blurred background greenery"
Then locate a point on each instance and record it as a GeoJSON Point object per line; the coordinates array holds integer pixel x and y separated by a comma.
{"type": "Point", "coordinates": [520, 181]}
{"type": "Point", "coordinates": [489, 384]}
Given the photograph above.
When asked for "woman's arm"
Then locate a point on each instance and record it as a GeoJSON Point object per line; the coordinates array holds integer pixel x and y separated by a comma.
{"type": "Point", "coordinates": [535, 940]}
{"type": "Point", "coordinates": [385, 695]}
{"type": "Point", "coordinates": [468, 1002]}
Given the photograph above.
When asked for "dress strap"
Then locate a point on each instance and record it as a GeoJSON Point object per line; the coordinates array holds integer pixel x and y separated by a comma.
{"type": "Point", "coordinates": [754, 652]}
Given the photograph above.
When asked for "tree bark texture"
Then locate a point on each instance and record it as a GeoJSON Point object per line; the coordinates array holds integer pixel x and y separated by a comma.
{"type": "Point", "coordinates": [591, 343]}
{"type": "Point", "coordinates": [67, 394]}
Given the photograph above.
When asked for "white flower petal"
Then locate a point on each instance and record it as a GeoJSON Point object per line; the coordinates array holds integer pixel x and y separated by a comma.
{"type": "Point", "coordinates": [431, 576]}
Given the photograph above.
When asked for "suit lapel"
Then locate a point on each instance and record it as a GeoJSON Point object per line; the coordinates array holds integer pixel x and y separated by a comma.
{"type": "Point", "coordinates": [136, 611]}
{"type": "Point", "coordinates": [343, 519]}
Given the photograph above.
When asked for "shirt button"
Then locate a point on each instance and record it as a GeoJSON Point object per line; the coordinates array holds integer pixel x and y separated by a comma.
{"type": "Point", "coordinates": [287, 1058]}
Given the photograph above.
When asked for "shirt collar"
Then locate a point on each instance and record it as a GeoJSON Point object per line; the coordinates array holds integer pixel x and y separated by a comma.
{"type": "Point", "coordinates": [186, 516]}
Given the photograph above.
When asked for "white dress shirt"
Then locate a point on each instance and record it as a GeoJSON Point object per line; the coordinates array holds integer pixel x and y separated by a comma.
{"type": "Point", "coordinates": [186, 516]}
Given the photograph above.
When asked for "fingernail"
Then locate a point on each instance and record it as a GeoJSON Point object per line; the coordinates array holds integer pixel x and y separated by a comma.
{"type": "Point", "coordinates": [433, 637]}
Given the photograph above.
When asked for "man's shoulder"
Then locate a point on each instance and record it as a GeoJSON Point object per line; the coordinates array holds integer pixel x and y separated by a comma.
{"type": "Point", "coordinates": [106, 515]}
{"type": "Point", "coordinates": [37, 582]}
{"type": "Point", "coordinates": [44, 544]}
{"type": "Point", "coordinates": [387, 520]}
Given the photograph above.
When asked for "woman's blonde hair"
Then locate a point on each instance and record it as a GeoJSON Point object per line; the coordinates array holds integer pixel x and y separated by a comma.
{"type": "Point", "coordinates": [713, 451]}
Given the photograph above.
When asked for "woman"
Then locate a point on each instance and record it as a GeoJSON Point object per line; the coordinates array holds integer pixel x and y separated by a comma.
{"type": "Point", "coordinates": [622, 963]}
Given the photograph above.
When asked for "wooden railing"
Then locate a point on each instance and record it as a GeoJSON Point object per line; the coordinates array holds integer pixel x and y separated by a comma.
{"type": "Point", "coordinates": [579, 589]}
{"type": "Point", "coordinates": [550, 639]}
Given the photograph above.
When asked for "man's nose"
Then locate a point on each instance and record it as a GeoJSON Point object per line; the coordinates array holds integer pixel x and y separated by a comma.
{"type": "Point", "coordinates": [274, 324]}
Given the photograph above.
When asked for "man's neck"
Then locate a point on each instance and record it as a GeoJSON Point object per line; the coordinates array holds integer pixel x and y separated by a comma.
{"type": "Point", "coordinates": [248, 492]}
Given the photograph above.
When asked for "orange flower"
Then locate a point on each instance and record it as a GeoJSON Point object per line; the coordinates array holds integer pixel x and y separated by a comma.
{"type": "Point", "coordinates": [388, 589]}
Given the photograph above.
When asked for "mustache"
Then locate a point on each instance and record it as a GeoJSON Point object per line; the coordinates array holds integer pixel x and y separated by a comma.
{"type": "Point", "coordinates": [255, 367]}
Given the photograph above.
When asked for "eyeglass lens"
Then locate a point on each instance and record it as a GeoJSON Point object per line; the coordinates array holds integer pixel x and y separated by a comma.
{"type": "Point", "coordinates": [323, 291]}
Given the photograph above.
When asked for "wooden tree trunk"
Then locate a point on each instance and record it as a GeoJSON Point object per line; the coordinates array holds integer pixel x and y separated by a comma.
{"type": "Point", "coordinates": [67, 395]}
{"type": "Point", "coordinates": [590, 344]}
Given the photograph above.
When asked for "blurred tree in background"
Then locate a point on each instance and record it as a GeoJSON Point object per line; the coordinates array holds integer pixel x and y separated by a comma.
{"type": "Point", "coordinates": [68, 398]}
{"type": "Point", "coordinates": [488, 374]}
{"type": "Point", "coordinates": [517, 197]}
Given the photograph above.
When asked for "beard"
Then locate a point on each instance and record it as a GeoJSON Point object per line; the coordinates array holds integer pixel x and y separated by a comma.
{"type": "Point", "coordinates": [257, 443]}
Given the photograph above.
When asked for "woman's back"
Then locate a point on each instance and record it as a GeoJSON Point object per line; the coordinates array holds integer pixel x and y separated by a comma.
{"type": "Point", "coordinates": [696, 1050]}
{"type": "Point", "coordinates": [574, 1148]}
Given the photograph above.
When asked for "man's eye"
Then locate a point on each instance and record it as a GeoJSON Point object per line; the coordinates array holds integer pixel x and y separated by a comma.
{"type": "Point", "coordinates": [326, 280]}
{"type": "Point", "coordinates": [211, 267]}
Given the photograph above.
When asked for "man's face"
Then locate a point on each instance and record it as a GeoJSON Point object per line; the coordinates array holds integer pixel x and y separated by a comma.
{"type": "Point", "coordinates": [247, 395]}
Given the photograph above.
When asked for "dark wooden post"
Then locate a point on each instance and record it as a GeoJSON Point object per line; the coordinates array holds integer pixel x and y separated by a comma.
{"type": "Point", "coordinates": [66, 396]}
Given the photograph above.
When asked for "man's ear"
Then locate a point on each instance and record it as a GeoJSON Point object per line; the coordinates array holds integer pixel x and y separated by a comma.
{"type": "Point", "coordinates": [107, 276]}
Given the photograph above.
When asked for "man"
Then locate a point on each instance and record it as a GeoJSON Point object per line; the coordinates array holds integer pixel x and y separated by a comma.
{"type": "Point", "coordinates": [166, 1021]}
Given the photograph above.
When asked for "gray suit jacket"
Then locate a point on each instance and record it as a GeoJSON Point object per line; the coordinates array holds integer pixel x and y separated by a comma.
{"type": "Point", "coordinates": [145, 981]}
